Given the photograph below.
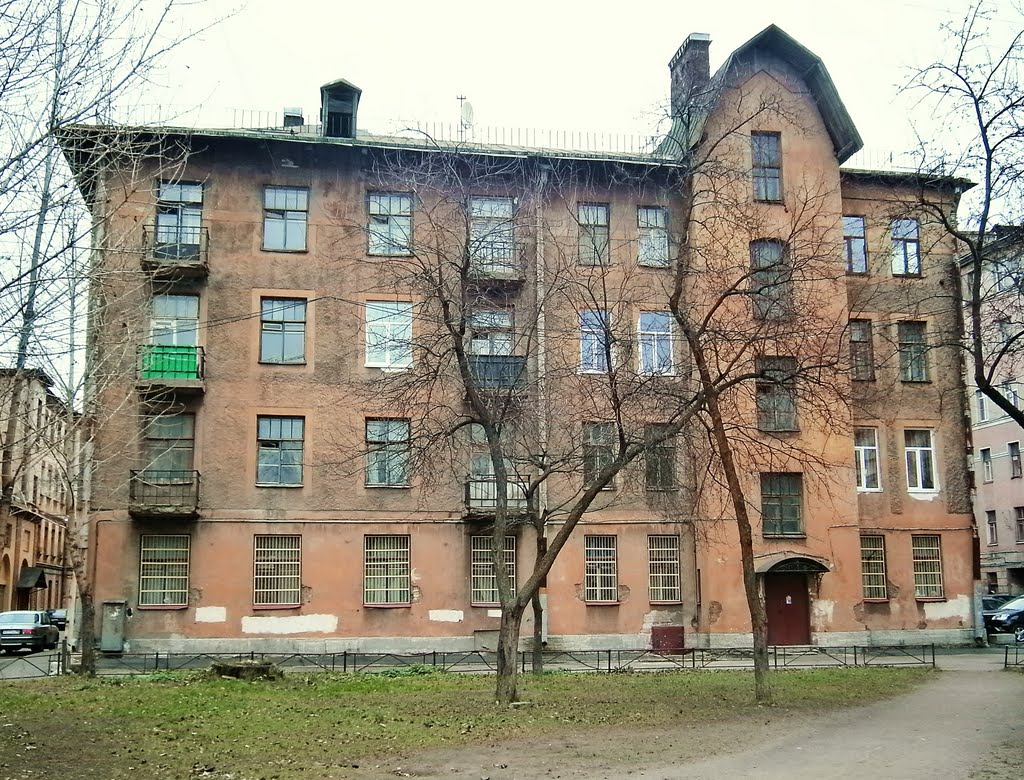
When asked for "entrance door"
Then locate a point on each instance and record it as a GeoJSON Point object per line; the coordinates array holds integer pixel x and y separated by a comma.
{"type": "Point", "coordinates": [789, 610]}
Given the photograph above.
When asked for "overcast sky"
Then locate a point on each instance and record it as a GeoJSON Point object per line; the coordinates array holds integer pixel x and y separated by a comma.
{"type": "Point", "coordinates": [546, 64]}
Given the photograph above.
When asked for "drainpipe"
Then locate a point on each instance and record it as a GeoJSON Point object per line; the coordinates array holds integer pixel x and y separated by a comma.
{"type": "Point", "coordinates": [542, 405]}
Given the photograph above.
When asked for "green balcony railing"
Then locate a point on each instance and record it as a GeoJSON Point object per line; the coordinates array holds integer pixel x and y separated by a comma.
{"type": "Point", "coordinates": [167, 361]}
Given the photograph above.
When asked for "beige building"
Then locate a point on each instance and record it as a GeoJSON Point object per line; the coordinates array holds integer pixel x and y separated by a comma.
{"type": "Point", "coordinates": [283, 459]}
{"type": "Point", "coordinates": [33, 570]}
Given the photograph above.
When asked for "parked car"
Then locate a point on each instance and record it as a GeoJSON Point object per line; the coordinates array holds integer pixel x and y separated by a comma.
{"type": "Point", "coordinates": [27, 628]}
{"type": "Point", "coordinates": [59, 618]}
{"type": "Point", "coordinates": [990, 604]}
{"type": "Point", "coordinates": [1008, 619]}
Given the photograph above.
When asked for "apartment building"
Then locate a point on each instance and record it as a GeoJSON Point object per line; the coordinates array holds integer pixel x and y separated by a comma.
{"type": "Point", "coordinates": [284, 458]}
{"type": "Point", "coordinates": [999, 495]}
{"type": "Point", "coordinates": [33, 570]}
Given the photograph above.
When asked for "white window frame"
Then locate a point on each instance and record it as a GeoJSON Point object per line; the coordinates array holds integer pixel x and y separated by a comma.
{"type": "Point", "coordinates": [170, 571]}
{"type": "Point", "coordinates": [653, 241]}
{"type": "Point", "coordinates": [482, 575]}
{"type": "Point", "coordinates": [601, 582]}
{"type": "Point", "coordinates": [906, 247]}
{"type": "Point", "coordinates": [595, 338]}
{"type": "Point", "coordinates": [867, 461]}
{"type": "Point", "coordinates": [277, 570]}
{"type": "Point", "coordinates": [664, 576]}
{"type": "Point", "coordinates": [920, 461]}
{"type": "Point", "coordinates": [389, 227]}
{"type": "Point", "coordinates": [982, 406]}
{"type": "Point", "coordinates": [386, 453]}
{"type": "Point", "coordinates": [653, 342]}
{"type": "Point", "coordinates": [492, 248]}
{"type": "Point", "coordinates": [874, 585]}
{"type": "Point", "coordinates": [288, 206]}
{"type": "Point", "coordinates": [991, 527]}
{"type": "Point", "coordinates": [927, 562]}
{"type": "Point", "coordinates": [387, 570]}
{"type": "Point", "coordinates": [388, 334]}
{"type": "Point", "coordinates": [1016, 467]}
{"type": "Point", "coordinates": [985, 456]}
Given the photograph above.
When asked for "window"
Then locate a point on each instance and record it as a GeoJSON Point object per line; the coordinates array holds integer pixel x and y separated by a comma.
{"type": "Point", "coordinates": [776, 394]}
{"type": "Point", "coordinates": [285, 210]}
{"type": "Point", "coordinates": [593, 221]}
{"type": "Point", "coordinates": [279, 450]}
{"type": "Point", "coordinates": [163, 571]}
{"type": "Point", "coordinates": [906, 248]}
{"type": "Point", "coordinates": [770, 280]}
{"type": "Point", "coordinates": [1013, 450]}
{"type": "Point", "coordinates": [168, 441]}
{"type": "Point", "coordinates": [652, 223]}
{"type": "Point", "coordinates": [663, 566]}
{"type": "Point", "coordinates": [655, 342]}
{"type": "Point", "coordinates": [920, 459]}
{"type": "Point", "coordinates": [913, 347]}
{"type": "Point", "coordinates": [276, 571]}
{"type": "Point", "coordinates": [862, 357]}
{"type": "Point", "coordinates": [388, 334]}
{"type": "Point", "coordinates": [598, 439]}
{"type": "Point", "coordinates": [386, 570]}
{"type": "Point", "coordinates": [282, 330]}
{"type": "Point", "coordinates": [856, 245]}
{"type": "Point", "coordinates": [982, 403]}
{"type": "Point", "coordinates": [781, 499]}
{"type": "Point", "coordinates": [865, 453]}
{"type": "Point", "coordinates": [174, 320]}
{"type": "Point", "coordinates": [483, 580]}
{"type": "Point", "coordinates": [991, 527]}
{"type": "Point", "coordinates": [1018, 512]}
{"type": "Point", "coordinates": [602, 584]}
{"type": "Point", "coordinates": [390, 228]}
{"type": "Point", "coordinates": [660, 461]}
{"type": "Point", "coordinates": [492, 236]}
{"type": "Point", "coordinates": [766, 156]}
{"type": "Point", "coordinates": [490, 332]}
{"type": "Point", "coordinates": [927, 567]}
{"type": "Point", "coordinates": [986, 465]}
{"type": "Point", "coordinates": [872, 567]}
{"type": "Point", "coordinates": [179, 217]}
{"type": "Point", "coordinates": [387, 453]}
{"type": "Point", "coordinates": [595, 341]}
{"type": "Point", "coordinates": [1008, 390]}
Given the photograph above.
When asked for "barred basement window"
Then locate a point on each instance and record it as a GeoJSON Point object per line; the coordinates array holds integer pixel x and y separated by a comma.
{"type": "Point", "coordinates": [872, 564]}
{"type": "Point", "coordinates": [483, 580]}
{"type": "Point", "coordinates": [386, 570]}
{"type": "Point", "coordinates": [163, 571]}
{"type": "Point", "coordinates": [927, 567]}
{"type": "Point", "coordinates": [663, 559]}
{"type": "Point", "coordinates": [601, 580]}
{"type": "Point", "coordinates": [276, 579]}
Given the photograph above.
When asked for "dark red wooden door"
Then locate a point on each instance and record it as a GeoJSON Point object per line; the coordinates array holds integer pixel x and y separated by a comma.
{"type": "Point", "coordinates": [789, 609]}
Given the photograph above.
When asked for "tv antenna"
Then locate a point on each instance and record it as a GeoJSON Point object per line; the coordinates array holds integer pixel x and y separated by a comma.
{"type": "Point", "coordinates": [465, 116]}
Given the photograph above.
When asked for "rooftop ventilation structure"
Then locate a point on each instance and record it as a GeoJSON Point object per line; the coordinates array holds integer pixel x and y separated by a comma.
{"type": "Point", "coordinates": [339, 102]}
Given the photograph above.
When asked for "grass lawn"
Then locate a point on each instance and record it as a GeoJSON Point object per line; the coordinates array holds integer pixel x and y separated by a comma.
{"type": "Point", "coordinates": [319, 726]}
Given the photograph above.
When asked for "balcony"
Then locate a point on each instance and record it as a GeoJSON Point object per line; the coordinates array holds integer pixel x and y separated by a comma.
{"type": "Point", "coordinates": [498, 372]}
{"type": "Point", "coordinates": [168, 368]}
{"type": "Point", "coordinates": [176, 253]}
{"type": "Point", "coordinates": [482, 496]}
{"type": "Point", "coordinates": [498, 264]}
{"type": "Point", "coordinates": [159, 494]}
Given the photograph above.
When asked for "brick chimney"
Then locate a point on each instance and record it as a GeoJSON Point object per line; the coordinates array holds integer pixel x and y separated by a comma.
{"type": "Point", "coordinates": [689, 69]}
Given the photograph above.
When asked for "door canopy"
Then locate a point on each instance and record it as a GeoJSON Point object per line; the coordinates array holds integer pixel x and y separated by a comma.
{"type": "Point", "coordinates": [791, 563]}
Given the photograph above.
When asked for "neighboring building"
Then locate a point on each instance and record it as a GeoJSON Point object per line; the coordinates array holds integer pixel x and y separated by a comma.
{"type": "Point", "coordinates": [33, 570]}
{"type": "Point", "coordinates": [998, 473]}
{"type": "Point", "coordinates": [246, 494]}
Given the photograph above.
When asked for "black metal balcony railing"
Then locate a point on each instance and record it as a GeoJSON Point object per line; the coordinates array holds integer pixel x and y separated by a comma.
{"type": "Point", "coordinates": [158, 362]}
{"type": "Point", "coordinates": [498, 260]}
{"type": "Point", "coordinates": [160, 492]}
{"type": "Point", "coordinates": [498, 372]}
{"type": "Point", "coordinates": [482, 494]}
{"type": "Point", "coordinates": [176, 249]}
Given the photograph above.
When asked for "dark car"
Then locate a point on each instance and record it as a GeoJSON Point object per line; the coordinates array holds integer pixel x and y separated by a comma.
{"type": "Point", "coordinates": [27, 628]}
{"type": "Point", "coordinates": [1008, 619]}
{"type": "Point", "coordinates": [59, 618]}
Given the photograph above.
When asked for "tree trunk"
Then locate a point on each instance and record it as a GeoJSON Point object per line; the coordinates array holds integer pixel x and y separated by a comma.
{"type": "Point", "coordinates": [506, 689]}
{"type": "Point", "coordinates": [538, 634]}
{"type": "Point", "coordinates": [87, 632]}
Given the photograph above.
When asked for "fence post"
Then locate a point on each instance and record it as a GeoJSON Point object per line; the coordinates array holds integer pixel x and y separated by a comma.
{"type": "Point", "coordinates": [156, 661]}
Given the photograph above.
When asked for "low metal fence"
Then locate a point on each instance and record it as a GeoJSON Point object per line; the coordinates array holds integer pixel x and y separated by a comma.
{"type": "Point", "coordinates": [470, 662]}
{"type": "Point", "coordinates": [1013, 656]}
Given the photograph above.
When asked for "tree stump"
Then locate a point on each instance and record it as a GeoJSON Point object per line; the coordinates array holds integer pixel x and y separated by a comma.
{"type": "Point", "coordinates": [247, 670]}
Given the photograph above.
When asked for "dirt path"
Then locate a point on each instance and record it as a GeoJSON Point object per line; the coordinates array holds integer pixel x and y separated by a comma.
{"type": "Point", "coordinates": [969, 722]}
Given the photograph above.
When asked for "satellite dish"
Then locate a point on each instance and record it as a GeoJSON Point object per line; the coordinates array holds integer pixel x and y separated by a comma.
{"type": "Point", "coordinates": [467, 114]}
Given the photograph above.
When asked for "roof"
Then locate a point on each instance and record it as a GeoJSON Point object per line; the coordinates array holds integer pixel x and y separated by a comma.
{"type": "Point", "coordinates": [687, 130]}
{"type": "Point", "coordinates": [916, 178]}
{"type": "Point", "coordinates": [32, 577]}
